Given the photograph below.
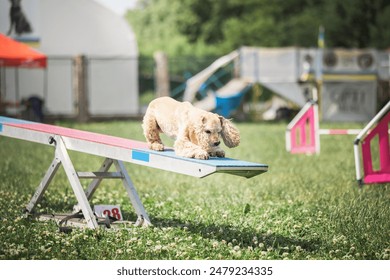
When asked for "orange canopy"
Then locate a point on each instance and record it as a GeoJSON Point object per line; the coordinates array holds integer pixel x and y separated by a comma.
{"type": "Point", "coordinates": [15, 54]}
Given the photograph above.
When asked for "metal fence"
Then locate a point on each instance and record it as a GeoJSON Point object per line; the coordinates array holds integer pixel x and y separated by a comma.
{"type": "Point", "coordinates": [70, 86]}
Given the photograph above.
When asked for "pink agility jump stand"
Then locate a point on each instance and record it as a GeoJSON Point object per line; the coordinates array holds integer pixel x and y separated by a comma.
{"type": "Point", "coordinates": [302, 133]}
{"type": "Point", "coordinates": [380, 174]}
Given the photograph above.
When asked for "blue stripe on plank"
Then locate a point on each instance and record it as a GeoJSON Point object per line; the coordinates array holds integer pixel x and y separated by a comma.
{"type": "Point", "coordinates": [213, 161]}
{"type": "Point", "coordinates": [142, 156]}
{"type": "Point", "coordinates": [1, 127]}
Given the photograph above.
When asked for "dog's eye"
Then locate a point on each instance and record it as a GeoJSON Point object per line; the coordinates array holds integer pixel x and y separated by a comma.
{"type": "Point", "coordinates": [208, 131]}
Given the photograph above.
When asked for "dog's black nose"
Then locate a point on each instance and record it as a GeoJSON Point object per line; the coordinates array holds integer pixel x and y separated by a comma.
{"type": "Point", "coordinates": [217, 143]}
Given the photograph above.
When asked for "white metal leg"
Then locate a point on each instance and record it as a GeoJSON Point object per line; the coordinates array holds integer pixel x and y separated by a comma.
{"type": "Point", "coordinates": [44, 184]}
{"type": "Point", "coordinates": [78, 190]}
{"type": "Point", "coordinates": [143, 218]}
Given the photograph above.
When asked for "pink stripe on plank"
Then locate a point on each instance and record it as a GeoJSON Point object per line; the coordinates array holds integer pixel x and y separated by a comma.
{"type": "Point", "coordinates": [82, 135]}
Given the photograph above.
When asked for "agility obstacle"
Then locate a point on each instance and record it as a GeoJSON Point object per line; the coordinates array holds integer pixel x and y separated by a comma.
{"type": "Point", "coordinates": [376, 132]}
{"type": "Point", "coordinates": [116, 151]}
{"type": "Point", "coordinates": [303, 132]}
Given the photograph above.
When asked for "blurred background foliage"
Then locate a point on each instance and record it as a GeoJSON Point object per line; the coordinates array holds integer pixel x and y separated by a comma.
{"type": "Point", "coordinates": [216, 27]}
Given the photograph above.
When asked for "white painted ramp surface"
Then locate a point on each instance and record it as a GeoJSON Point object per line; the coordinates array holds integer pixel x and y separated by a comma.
{"type": "Point", "coordinates": [208, 103]}
{"type": "Point", "coordinates": [233, 87]}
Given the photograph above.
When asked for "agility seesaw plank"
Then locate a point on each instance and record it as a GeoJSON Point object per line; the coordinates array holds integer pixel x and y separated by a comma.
{"type": "Point", "coordinates": [126, 150]}
{"type": "Point", "coordinates": [116, 151]}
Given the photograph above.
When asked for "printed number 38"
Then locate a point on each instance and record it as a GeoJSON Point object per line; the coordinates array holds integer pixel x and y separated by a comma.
{"type": "Point", "coordinates": [113, 213]}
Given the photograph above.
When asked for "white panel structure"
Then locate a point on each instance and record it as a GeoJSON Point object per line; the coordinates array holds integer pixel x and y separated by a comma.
{"type": "Point", "coordinates": [66, 29]}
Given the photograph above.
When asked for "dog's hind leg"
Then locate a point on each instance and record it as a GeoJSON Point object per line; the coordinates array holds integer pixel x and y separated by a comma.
{"type": "Point", "coordinates": [152, 133]}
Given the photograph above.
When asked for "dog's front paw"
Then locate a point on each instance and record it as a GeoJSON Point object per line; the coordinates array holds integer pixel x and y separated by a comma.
{"type": "Point", "coordinates": [217, 153]}
{"type": "Point", "coordinates": [201, 154]}
{"type": "Point", "coordinates": [220, 153]}
{"type": "Point", "coordinates": [156, 146]}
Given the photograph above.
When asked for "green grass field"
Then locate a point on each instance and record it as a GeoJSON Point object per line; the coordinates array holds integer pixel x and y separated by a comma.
{"type": "Point", "coordinates": [304, 207]}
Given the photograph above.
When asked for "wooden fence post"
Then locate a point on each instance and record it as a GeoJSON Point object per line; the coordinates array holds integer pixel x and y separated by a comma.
{"type": "Point", "coordinates": [80, 79]}
{"type": "Point", "coordinates": [161, 74]}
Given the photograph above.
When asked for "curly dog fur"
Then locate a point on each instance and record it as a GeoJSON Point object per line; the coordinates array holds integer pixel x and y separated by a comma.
{"type": "Point", "coordinates": [196, 132]}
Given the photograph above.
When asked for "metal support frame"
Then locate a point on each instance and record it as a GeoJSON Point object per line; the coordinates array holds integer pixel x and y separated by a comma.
{"type": "Point", "coordinates": [83, 196]}
{"type": "Point", "coordinates": [115, 151]}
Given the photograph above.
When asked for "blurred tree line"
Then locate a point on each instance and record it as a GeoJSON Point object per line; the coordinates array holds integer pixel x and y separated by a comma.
{"type": "Point", "coordinates": [216, 27]}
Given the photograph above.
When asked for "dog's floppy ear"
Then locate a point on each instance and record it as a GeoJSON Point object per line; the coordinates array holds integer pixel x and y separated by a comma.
{"type": "Point", "coordinates": [230, 134]}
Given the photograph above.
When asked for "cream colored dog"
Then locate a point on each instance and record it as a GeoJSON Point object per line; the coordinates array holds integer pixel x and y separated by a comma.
{"type": "Point", "coordinates": [196, 132]}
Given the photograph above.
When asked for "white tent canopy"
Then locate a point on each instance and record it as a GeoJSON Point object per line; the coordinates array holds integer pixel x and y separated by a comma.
{"type": "Point", "coordinates": [76, 27]}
